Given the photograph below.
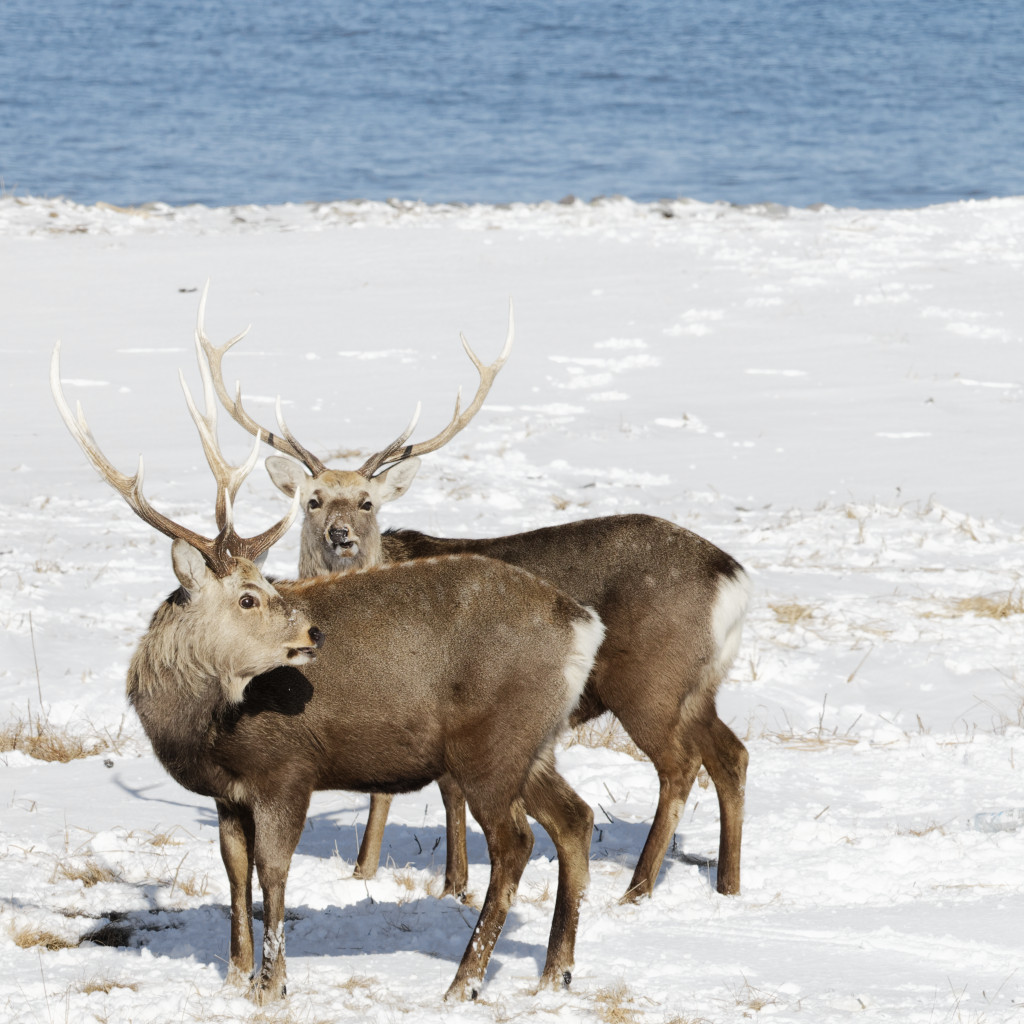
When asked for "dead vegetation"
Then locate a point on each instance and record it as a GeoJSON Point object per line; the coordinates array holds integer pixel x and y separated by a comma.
{"type": "Point", "coordinates": [41, 739]}
{"type": "Point", "coordinates": [992, 606]}
{"type": "Point", "coordinates": [106, 986]}
{"type": "Point", "coordinates": [615, 1004]}
{"type": "Point", "coordinates": [28, 937]}
{"type": "Point", "coordinates": [605, 731]}
{"type": "Point", "coordinates": [89, 872]}
{"type": "Point", "coordinates": [754, 999]}
{"type": "Point", "coordinates": [998, 605]}
{"type": "Point", "coordinates": [792, 614]}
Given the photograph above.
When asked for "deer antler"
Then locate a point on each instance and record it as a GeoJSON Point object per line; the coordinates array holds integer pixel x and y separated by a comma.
{"type": "Point", "coordinates": [219, 551]}
{"type": "Point", "coordinates": [396, 451]}
{"type": "Point", "coordinates": [230, 478]}
{"type": "Point", "coordinates": [287, 444]}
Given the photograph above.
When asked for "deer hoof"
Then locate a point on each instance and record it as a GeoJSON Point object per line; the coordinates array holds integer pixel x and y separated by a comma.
{"type": "Point", "coordinates": [634, 894]}
{"type": "Point", "coordinates": [238, 977]}
{"type": "Point", "coordinates": [462, 991]}
{"type": "Point", "coordinates": [459, 892]}
{"type": "Point", "coordinates": [555, 980]}
{"type": "Point", "coordinates": [263, 991]}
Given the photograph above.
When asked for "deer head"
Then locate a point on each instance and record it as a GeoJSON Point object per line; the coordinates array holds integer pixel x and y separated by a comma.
{"type": "Point", "coordinates": [340, 528]}
{"type": "Point", "coordinates": [229, 622]}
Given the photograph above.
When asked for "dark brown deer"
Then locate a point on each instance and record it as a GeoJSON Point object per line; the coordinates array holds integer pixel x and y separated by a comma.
{"type": "Point", "coordinates": [258, 694]}
{"type": "Point", "coordinates": [673, 605]}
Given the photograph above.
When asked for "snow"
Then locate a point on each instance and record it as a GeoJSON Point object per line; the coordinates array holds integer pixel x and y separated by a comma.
{"type": "Point", "coordinates": [833, 396]}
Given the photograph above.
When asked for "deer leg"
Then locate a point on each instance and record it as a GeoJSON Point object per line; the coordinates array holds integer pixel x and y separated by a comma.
{"type": "Point", "coordinates": [236, 849]}
{"type": "Point", "coordinates": [509, 842]}
{"type": "Point", "coordinates": [570, 822]}
{"type": "Point", "coordinates": [456, 864]}
{"type": "Point", "coordinates": [368, 858]}
{"type": "Point", "coordinates": [278, 828]}
{"type": "Point", "coordinates": [726, 759]}
{"type": "Point", "coordinates": [677, 766]}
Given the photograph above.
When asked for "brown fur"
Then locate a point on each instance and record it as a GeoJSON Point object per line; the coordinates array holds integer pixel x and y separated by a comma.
{"type": "Point", "coordinates": [672, 604]}
{"type": "Point", "coordinates": [454, 667]}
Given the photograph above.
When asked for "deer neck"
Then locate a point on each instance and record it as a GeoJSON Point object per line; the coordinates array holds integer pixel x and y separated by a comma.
{"type": "Point", "coordinates": [179, 703]}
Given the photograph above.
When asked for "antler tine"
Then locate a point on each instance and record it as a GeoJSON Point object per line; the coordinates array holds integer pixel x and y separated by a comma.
{"type": "Point", "coordinates": [460, 420]}
{"type": "Point", "coordinates": [229, 478]}
{"type": "Point", "coordinates": [129, 487]}
{"type": "Point", "coordinates": [390, 453]}
{"type": "Point", "coordinates": [213, 356]}
{"type": "Point", "coordinates": [253, 547]}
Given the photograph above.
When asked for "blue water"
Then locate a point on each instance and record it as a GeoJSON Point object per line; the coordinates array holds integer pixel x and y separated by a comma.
{"type": "Point", "coordinates": [851, 102]}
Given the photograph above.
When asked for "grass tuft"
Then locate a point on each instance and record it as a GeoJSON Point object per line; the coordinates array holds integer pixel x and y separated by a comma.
{"type": "Point", "coordinates": [605, 731]}
{"type": "Point", "coordinates": [88, 873]}
{"type": "Point", "coordinates": [46, 742]}
{"type": "Point", "coordinates": [993, 606]}
{"type": "Point", "coordinates": [791, 614]}
{"type": "Point", "coordinates": [105, 985]}
{"type": "Point", "coordinates": [751, 998]}
{"type": "Point", "coordinates": [614, 1005]}
{"type": "Point", "coordinates": [33, 938]}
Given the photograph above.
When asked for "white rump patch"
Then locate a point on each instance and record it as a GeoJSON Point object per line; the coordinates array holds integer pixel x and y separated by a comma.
{"type": "Point", "coordinates": [588, 636]}
{"type": "Point", "coordinates": [727, 616]}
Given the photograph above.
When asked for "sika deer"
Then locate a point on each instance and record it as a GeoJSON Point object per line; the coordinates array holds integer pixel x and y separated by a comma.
{"type": "Point", "coordinates": [454, 666]}
{"type": "Point", "coordinates": [673, 605]}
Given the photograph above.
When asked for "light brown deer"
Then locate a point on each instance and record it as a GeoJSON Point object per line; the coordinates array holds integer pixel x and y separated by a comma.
{"type": "Point", "coordinates": [673, 605]}
{"type": "Point", "coordinates": [258, 694]}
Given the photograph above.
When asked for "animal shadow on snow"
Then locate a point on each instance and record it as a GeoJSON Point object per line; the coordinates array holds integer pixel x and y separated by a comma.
{"type": "Point", "coordinates": [435, 928]}
{"type": "Point", "coordinates": [337, 831]}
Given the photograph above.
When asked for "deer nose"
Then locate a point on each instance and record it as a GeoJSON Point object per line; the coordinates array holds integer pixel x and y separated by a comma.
{"type": "Point", "coordinates": [316, 636]}
{"type": "Point", "coordinates": [338, 534]}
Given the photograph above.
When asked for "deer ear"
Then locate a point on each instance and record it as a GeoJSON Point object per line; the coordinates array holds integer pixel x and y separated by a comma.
{"type": "Point", "coordinates": [286, 474]}
{"type": "Point", "coordinates": [394, 482]}
{"type": "Point", "coordinates": [189, 566]}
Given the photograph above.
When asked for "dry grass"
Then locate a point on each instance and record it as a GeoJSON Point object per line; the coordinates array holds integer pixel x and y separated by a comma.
{"type": "Point", "coordinates": [46, 742]}
{"type": "Point", "coordinates": [924, 830]}
{"type": "Point", "coordinates": [105, 985]}
{"type": "Point", "coordinates": [31, 938]}
{"type": "Point", "coordinates": [751, 998]}
{"type": "Point", "coordinates": [193, 885]}
{"type": "Point", "coordinates": [814, 740]}
{"type": "Point", "coordinates": [356, 983]}
{"type": "Point", "coordinates": [538, 895]}
{"type": "Point", "coordinates": [605, 731]}
{"type": "Point", "coordinates": [615, 1005]}
{"type": "Point", "coordinates": [89, 872]}
{"type": "Point", "coordinates": [1000, 605]}
{"type": "Point", "coordinates": [791, 614]}
{"type": "Point", "coordinates": [161, 839]}
{"type": "Point", "coordinates": [993, 606]}
{"type": "Point", "coordinates": [819, 738]}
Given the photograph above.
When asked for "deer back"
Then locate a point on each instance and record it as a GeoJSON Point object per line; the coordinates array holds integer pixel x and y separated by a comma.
{"type": "Point", "coordinates": [655, 585]}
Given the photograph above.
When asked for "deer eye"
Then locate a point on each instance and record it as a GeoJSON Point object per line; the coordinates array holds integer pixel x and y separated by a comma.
{"type": "Point", "coordinates": [313, 503]}
{"type": "Point", "coordinates": [248, 601]}
{"type": "Point", "coordinates": [367, 506]}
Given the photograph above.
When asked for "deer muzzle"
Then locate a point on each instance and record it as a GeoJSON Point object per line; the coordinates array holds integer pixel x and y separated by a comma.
{"type": "Point", "coordinates": [306, 654]}
{"type": "Point", "coordinates": [341, 540]}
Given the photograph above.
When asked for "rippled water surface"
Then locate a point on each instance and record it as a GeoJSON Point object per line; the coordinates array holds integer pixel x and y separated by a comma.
{"type": "Point", "coordinates": [865, 102]}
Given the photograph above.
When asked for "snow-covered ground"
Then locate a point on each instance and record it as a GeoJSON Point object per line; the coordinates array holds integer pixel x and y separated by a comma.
{"type": "Point", "coordinates": [836, 397]}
